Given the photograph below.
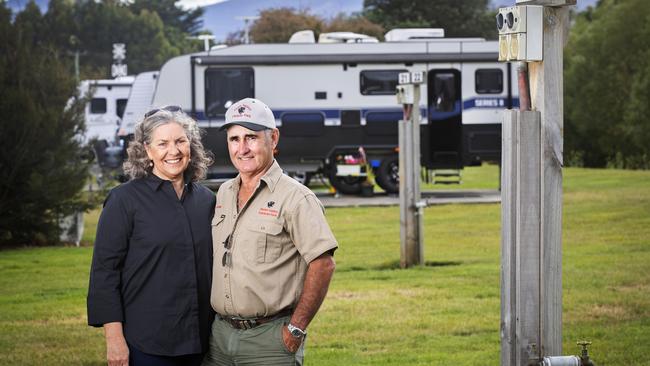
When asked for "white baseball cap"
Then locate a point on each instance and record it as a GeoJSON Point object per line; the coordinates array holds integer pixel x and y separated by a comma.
{"type": "Point", "coordinates": [250, 113]}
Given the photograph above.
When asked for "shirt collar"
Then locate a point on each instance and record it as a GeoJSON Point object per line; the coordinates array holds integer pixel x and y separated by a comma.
{"type": "Point", "coordinates": [154, 182]}
{"type": "Point", "coordinates": [271, 177]}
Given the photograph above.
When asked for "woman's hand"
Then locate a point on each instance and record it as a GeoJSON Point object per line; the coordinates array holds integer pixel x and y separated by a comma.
{"type": "Point", "coordinates": [117, 352]}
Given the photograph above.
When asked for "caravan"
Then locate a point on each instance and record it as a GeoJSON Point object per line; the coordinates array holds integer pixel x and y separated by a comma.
{"type": "Point", "coordinates": [330, 99]}
{"type": "Point", "coordinates": [110, 115]}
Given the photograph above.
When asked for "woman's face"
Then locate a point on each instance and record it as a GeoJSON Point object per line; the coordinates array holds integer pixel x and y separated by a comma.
{"type": "Point", "coordinates": [170, 151]}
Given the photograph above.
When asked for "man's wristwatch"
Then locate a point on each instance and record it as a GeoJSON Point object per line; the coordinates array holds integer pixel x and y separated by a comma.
{"type": "Point", "coordinates": [295, 331]}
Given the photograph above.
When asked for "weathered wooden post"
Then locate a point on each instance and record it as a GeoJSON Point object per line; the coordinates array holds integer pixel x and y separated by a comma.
{"type": "Point", "coordinates": [408, 94]}
{"type": "Point", "coordinates": [531, 176]}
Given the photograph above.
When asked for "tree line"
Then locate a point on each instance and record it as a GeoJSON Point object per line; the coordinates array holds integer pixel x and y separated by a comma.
{"type": "Point", "coordinates": [42, 163]}
{"type": "Point", "coordinates": [607, 82]}
{"type": "Point", "coordinates": [607, 86]}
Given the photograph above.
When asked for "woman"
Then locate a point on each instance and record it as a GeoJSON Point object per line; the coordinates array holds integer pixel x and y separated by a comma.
{"type": "Point", "coordinates": [152, 264]}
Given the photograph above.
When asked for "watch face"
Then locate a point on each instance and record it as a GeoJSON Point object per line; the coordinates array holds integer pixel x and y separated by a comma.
{"type": "Point", "coordinates": [296, 333]}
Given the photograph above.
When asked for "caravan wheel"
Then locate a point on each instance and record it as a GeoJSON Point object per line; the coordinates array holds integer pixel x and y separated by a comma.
{"type": "Point", "coordinates": [300, 177]}
{"type": "Point", "coordinates": [346, 185]}
{"type": "Point", "coordinates": [388, 174]}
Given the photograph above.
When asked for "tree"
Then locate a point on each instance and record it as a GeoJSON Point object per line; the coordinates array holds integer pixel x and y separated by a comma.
{"type": "Point", "coordinates": [607, 81]}
{"type": "Point", "coordinates": [468, 18]}
{"type": "Point", "coordinates": [41, 161]}
{"type": "Point", "coordinates": [355, 23]}
{"type": "Point", "coordinates": [185, 21]}
{"type": "Point", "coordinates": [277, 25]}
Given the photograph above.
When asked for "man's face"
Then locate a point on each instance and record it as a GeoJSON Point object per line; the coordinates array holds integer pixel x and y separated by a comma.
{"type": "Point", "coordinates": [251, 152]}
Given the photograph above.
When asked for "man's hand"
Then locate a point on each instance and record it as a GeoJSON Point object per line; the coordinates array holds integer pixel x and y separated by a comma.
{"type": "Point", "coordinates": [117, 352]}
{"type": "Point", "coordinates": [292, 343]}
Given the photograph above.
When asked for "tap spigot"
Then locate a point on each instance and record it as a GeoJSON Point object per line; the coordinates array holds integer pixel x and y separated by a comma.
{"type": "Point", "coordinates": [584, 356]}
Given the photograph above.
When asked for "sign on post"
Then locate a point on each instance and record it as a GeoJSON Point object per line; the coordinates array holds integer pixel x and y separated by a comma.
{"type": "Point", "coordinates": [118, 68]}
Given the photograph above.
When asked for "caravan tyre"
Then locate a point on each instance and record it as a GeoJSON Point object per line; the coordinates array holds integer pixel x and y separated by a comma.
{"type": "Point", "coordinates": [302, 178]}
{"type": "Point", "coordinates": [346, 185]}
{"type": "Point", "coordinates": [388, 174]}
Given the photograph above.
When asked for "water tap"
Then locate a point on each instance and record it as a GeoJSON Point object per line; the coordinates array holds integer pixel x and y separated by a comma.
{"type": "Point", "coordinates": [584, 356]}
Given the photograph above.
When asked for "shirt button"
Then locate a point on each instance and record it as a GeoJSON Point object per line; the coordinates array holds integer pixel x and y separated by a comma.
{"type": "Point", "coordinates": [227, 297]}
{"type": "Point", "coordinates": [225, 275]}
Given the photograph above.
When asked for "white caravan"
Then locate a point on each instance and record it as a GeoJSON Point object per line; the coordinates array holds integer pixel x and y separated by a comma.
{"type": "Point", "coordinates": [140, 100]}
{"type": "Point", "coordinates": [104, 111]}
{"type": "Point", "coordinates": [330, 99]}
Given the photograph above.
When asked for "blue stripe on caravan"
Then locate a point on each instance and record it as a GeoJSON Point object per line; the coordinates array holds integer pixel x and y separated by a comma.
{"type": "Point", "coordinates": [489, 102]}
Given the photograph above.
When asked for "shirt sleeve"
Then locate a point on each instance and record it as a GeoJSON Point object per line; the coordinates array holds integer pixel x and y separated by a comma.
{"type": "Point", "coordinates": [111, 245]}
{"type": "Point", "coordinates": [309, 229]}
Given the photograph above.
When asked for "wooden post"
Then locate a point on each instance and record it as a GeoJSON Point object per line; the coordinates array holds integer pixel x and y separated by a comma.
{"type": "Point", "coordinates": [411, 249]}
{"type": "Point", "coordinates": [531, 274]}
{"type": "Point", "coordinates": [508, 234]}
{"type": "Point", "coordinates": [521, 303]}
{"type": "Point", "coordinates": [546, 79]}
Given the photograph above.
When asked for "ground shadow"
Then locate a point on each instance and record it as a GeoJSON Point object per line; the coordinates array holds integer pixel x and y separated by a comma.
{"type": "Point", "coordinates": [394, 264]}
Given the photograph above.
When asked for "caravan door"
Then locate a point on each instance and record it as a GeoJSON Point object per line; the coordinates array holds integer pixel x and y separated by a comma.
{"type": "Point", "coordinates": [444, 125]}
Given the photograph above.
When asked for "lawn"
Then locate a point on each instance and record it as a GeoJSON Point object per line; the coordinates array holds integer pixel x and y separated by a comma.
{"type": "Point", "coordinates": [444, 313]}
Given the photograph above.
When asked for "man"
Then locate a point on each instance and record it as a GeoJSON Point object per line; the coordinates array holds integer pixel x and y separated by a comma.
{"type": "Point", "coordinates": [273, 250]}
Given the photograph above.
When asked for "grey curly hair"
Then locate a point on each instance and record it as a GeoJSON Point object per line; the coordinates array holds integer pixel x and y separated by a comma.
{"type": "Point", "coordinates": [138, 164]}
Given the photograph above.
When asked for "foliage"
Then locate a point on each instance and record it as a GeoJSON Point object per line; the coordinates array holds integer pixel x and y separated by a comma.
{"type": "Point", "coordinates": [153, 32]}
{"type": "Point", "coordinates": [607, 81]}
{"type": "Point", "coordinates": [445, 313]}
{"type": "Point", "coordinates": [149, 41]}
{"type": "Point", "coordinates": [277, 26]}
{"type": "Point", "coordinates": [468, 18]}
{"type": "Point", "coordinates": [184, 21]}
{"type": "Point", "coordinates": [354, 23]}
{"type": "Point", "coordinates": [42, 163]}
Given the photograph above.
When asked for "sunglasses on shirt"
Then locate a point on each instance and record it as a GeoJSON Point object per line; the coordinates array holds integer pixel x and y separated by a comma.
{"type": "Point", "coordinates": [225, 260]}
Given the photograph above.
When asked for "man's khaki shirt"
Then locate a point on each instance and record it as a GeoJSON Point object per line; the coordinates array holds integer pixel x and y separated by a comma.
{"type": "Point", "coordinates": [279, 231]}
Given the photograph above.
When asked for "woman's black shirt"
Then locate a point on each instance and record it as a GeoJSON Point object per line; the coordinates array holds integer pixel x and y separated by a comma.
{"type": "Point", "coordinates": [152, 266]}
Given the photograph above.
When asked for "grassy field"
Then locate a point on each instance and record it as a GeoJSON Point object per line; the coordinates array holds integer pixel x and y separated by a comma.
{"type": "Point", "coordinates": [444, 313]}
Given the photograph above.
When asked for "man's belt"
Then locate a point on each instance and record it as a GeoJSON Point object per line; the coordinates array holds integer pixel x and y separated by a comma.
{"type": "Point", "coordinates": [249, 323]}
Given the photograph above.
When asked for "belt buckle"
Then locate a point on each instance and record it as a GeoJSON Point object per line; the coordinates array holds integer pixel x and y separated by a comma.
{"type": "Point", "coordinates": [243, 323]}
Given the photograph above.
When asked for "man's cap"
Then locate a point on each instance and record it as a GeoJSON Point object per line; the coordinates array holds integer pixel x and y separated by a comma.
{"type": "Point", "coordinates": [250, 113]}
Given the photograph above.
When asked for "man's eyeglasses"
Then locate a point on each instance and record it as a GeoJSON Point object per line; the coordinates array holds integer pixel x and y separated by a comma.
{"type": "Point", "coordinates": [225, 260]}
{"type": "Point", "coordinates": [169, 108]}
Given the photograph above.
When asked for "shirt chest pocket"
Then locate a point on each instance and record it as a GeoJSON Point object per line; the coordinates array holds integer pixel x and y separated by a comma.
{"type": "Point", "coordinates": [269, 241]}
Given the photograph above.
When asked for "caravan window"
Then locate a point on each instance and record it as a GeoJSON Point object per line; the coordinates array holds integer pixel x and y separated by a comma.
{"type": "Point", "coordinates": [379, 82]}
{"type": "Point", "coordinates": [98, 105]}
{"type": "Point", "coordinates": [489, 81]}
{"type": "Point", "coordinates": [224, 86]}
{"type": "Point", "coordinates": [121, 105]}
{"type": "Point", "coordinates": [445, 94]}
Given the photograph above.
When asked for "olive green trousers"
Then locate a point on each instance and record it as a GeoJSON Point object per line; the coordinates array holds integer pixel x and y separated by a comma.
{"type": "Point", "coordinates": [262, 345]}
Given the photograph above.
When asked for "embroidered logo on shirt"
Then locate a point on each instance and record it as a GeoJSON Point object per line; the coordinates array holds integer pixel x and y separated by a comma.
{"type": "Point", "coordinates": [270, 204]}
{"type": "Point", "coordinates": [268, 212]}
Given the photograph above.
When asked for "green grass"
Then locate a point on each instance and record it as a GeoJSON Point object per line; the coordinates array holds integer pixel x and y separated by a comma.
{"type": "Point", "coordinates": [444, 313]}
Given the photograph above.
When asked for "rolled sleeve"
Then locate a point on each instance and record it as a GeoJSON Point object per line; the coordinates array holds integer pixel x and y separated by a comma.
{"type": "Point", "coordinates": [104, 291]}
{"type": "Point", "coordinates": [309, 230]}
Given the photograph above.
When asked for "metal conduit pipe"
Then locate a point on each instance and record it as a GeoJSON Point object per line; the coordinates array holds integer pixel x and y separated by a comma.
{"type": "Point", "coordinates": [561, 361]}
{"type": "Point", "coordinates": [524, 87]}
{"type": "Point", "coordinates": [583, 360]}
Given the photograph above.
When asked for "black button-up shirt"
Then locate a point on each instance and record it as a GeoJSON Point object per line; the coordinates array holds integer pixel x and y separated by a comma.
{"type": "Point", "coordinates": [152, 266]}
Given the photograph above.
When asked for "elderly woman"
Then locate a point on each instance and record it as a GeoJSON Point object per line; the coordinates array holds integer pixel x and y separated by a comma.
{"type": "Point", "coordinates": [152, 265]}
